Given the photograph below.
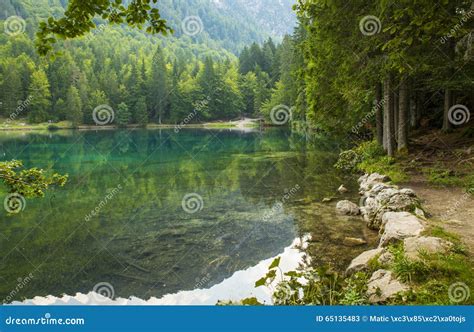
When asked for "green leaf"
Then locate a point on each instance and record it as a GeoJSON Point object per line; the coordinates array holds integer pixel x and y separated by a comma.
{"type": "Point", "coordinates": [275, 263]}
{"type": "Point", "coordinates": [260, 282]}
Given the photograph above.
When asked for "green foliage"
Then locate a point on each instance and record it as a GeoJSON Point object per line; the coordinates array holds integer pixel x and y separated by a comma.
{"type": "Point", "coordinates": [28, 182]}
{"type": "Point", "coordinates": [369, 157]}
{"type": "Point", "coordinates": [74, 106]}
{"type": "Point", "coordinates": [123, 115]}
{"type": "Point", "coordinates": [442, 177]}
{"type": "Point", "coordinates": [78, 20]}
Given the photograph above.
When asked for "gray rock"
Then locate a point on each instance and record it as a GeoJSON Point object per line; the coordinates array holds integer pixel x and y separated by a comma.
{"type": "Point", "coordinates": [431, 245]}
{"type": "Point", "coordinates": [366, 182]}
{"type": "Point", "coordinates": [347, 208]}
{"type": "Point", "coordinates": [386, 258]}
{"type": "Point", "coordinates": [398, 226]}
{"type": "Point", "coordinates": [353, 241]}
{"type": "Point", "coordinates": [382, 199]}
{"type": "Point", "coordinates": [361, 262]}
{"type": "Point", "coordinates": [383, 286]}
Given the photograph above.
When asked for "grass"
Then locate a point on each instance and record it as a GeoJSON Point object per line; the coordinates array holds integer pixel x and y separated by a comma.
{"type": "Point", "coordinates": [431, 276]}
{"type": "Point", "coordinates": [441, 177]}
{"type": "Point", "coordinates": [369, 157]}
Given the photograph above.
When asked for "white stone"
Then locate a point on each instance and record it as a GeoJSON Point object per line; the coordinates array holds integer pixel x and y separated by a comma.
{"type": "Point", "coordinates": [347, 208]}
{"type": "Point", "coordinates": [430, 245]}
{"type": "Point", "coordinates": [383, 286]}
{"type": "Point", "coordinates": [361, 262]}
{"type": "Point", "coordinates": [398, 226]}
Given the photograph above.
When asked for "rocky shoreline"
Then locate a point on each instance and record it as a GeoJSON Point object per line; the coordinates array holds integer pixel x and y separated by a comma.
{"type": "Point", "coordinates": [398, 216]}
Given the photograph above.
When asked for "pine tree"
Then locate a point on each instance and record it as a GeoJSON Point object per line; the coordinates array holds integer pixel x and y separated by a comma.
{"type": "Point", "coordinates": [74, 106]}
{"type": "Point", "coordinates": [158, 87]}
{"type": "Point", "coordinates": [40, 97]}
{"type": "Point", "coordinates": [123, 115]}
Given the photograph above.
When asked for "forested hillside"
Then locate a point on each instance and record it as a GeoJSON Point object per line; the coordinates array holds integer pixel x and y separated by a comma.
{"type": "Point", "coordinates": [142, 78]}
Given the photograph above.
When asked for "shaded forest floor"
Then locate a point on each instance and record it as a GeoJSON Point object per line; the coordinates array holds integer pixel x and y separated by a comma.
{"type": "Point", "coordinates": [441, 170]}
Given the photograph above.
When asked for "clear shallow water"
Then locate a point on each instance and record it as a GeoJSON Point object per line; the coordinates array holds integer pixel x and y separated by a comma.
{"type": "Point", "coordinates": [140, 240]}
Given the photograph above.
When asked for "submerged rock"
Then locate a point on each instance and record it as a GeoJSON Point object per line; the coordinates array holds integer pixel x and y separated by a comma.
{"type": "Point", "coordinates": [361, 262]}
{"type": "Point", "coordinates": [430, 245]}
{"type": "Point", "coordinates": [342, 189]}
{"type": "Point", "coordinates": [347, 208]}
{"type": "Point", "coordinates": [383, 286]}
{"type": "Point", "coordinates": [398, 226]}
{"type": "Point", "coordinates": [353, 241]}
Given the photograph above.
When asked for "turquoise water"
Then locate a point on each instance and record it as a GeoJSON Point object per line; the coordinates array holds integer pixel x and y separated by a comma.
{"type": "Point", "coordinates": [120, 219]}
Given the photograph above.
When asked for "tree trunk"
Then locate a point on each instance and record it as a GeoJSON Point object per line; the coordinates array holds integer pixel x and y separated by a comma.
{"type": "Point", "coordinates": [379, 113]}
{"type": "Point", "coordinates": [412, 108]}
{"type": "Point", "coordinates": [448, 99]}
{"type": "Point", "coordinates": [389, 136]}
{"type": "Point", "coordinates": [395, 113]}
{"type": "Point", "coordinates": [403, 116]}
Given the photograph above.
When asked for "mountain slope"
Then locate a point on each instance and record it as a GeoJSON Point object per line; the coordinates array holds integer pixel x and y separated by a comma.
{"type": "Point", "coordinates": [230, 24]}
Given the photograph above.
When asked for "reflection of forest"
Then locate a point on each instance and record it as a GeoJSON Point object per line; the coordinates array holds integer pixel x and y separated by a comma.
{"type": "Point", "coordinates": [141, 239]}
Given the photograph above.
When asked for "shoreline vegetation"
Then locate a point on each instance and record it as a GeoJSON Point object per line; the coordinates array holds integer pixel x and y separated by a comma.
{"type": "Point", "coordinates": [243, 124]}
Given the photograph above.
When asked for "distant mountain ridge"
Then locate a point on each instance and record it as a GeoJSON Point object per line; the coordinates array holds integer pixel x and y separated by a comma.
{"type": "Point", "coordinates": [230, 24]}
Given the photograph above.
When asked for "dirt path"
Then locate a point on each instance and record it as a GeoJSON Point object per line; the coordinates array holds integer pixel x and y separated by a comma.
{"type": "Point", "coordinates": [450, 208]}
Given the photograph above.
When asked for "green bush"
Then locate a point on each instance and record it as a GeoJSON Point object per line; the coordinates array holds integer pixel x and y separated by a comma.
{"type": "Point", "coordinates": [369, 157]}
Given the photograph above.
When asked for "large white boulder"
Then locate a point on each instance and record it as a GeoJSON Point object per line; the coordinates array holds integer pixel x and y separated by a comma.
{"type": "Point", "coordinates": [397, 226]}
{"type": "Point", "coordinates": [430, 245]}
{"type": "Point", "coordinates": [383, 286]}
{"type": "Point", "coordinates": [361, 262]}
{"type": "Point", "coordinates": [383, 198]}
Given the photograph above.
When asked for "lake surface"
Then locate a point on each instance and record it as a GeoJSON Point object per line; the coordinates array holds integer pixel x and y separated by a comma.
{"type": "Point", "coordinates": [157, 212]}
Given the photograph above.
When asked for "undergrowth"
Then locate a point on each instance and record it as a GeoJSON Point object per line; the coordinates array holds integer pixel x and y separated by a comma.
{"type": "Point", "coordinates": [369, 157]}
